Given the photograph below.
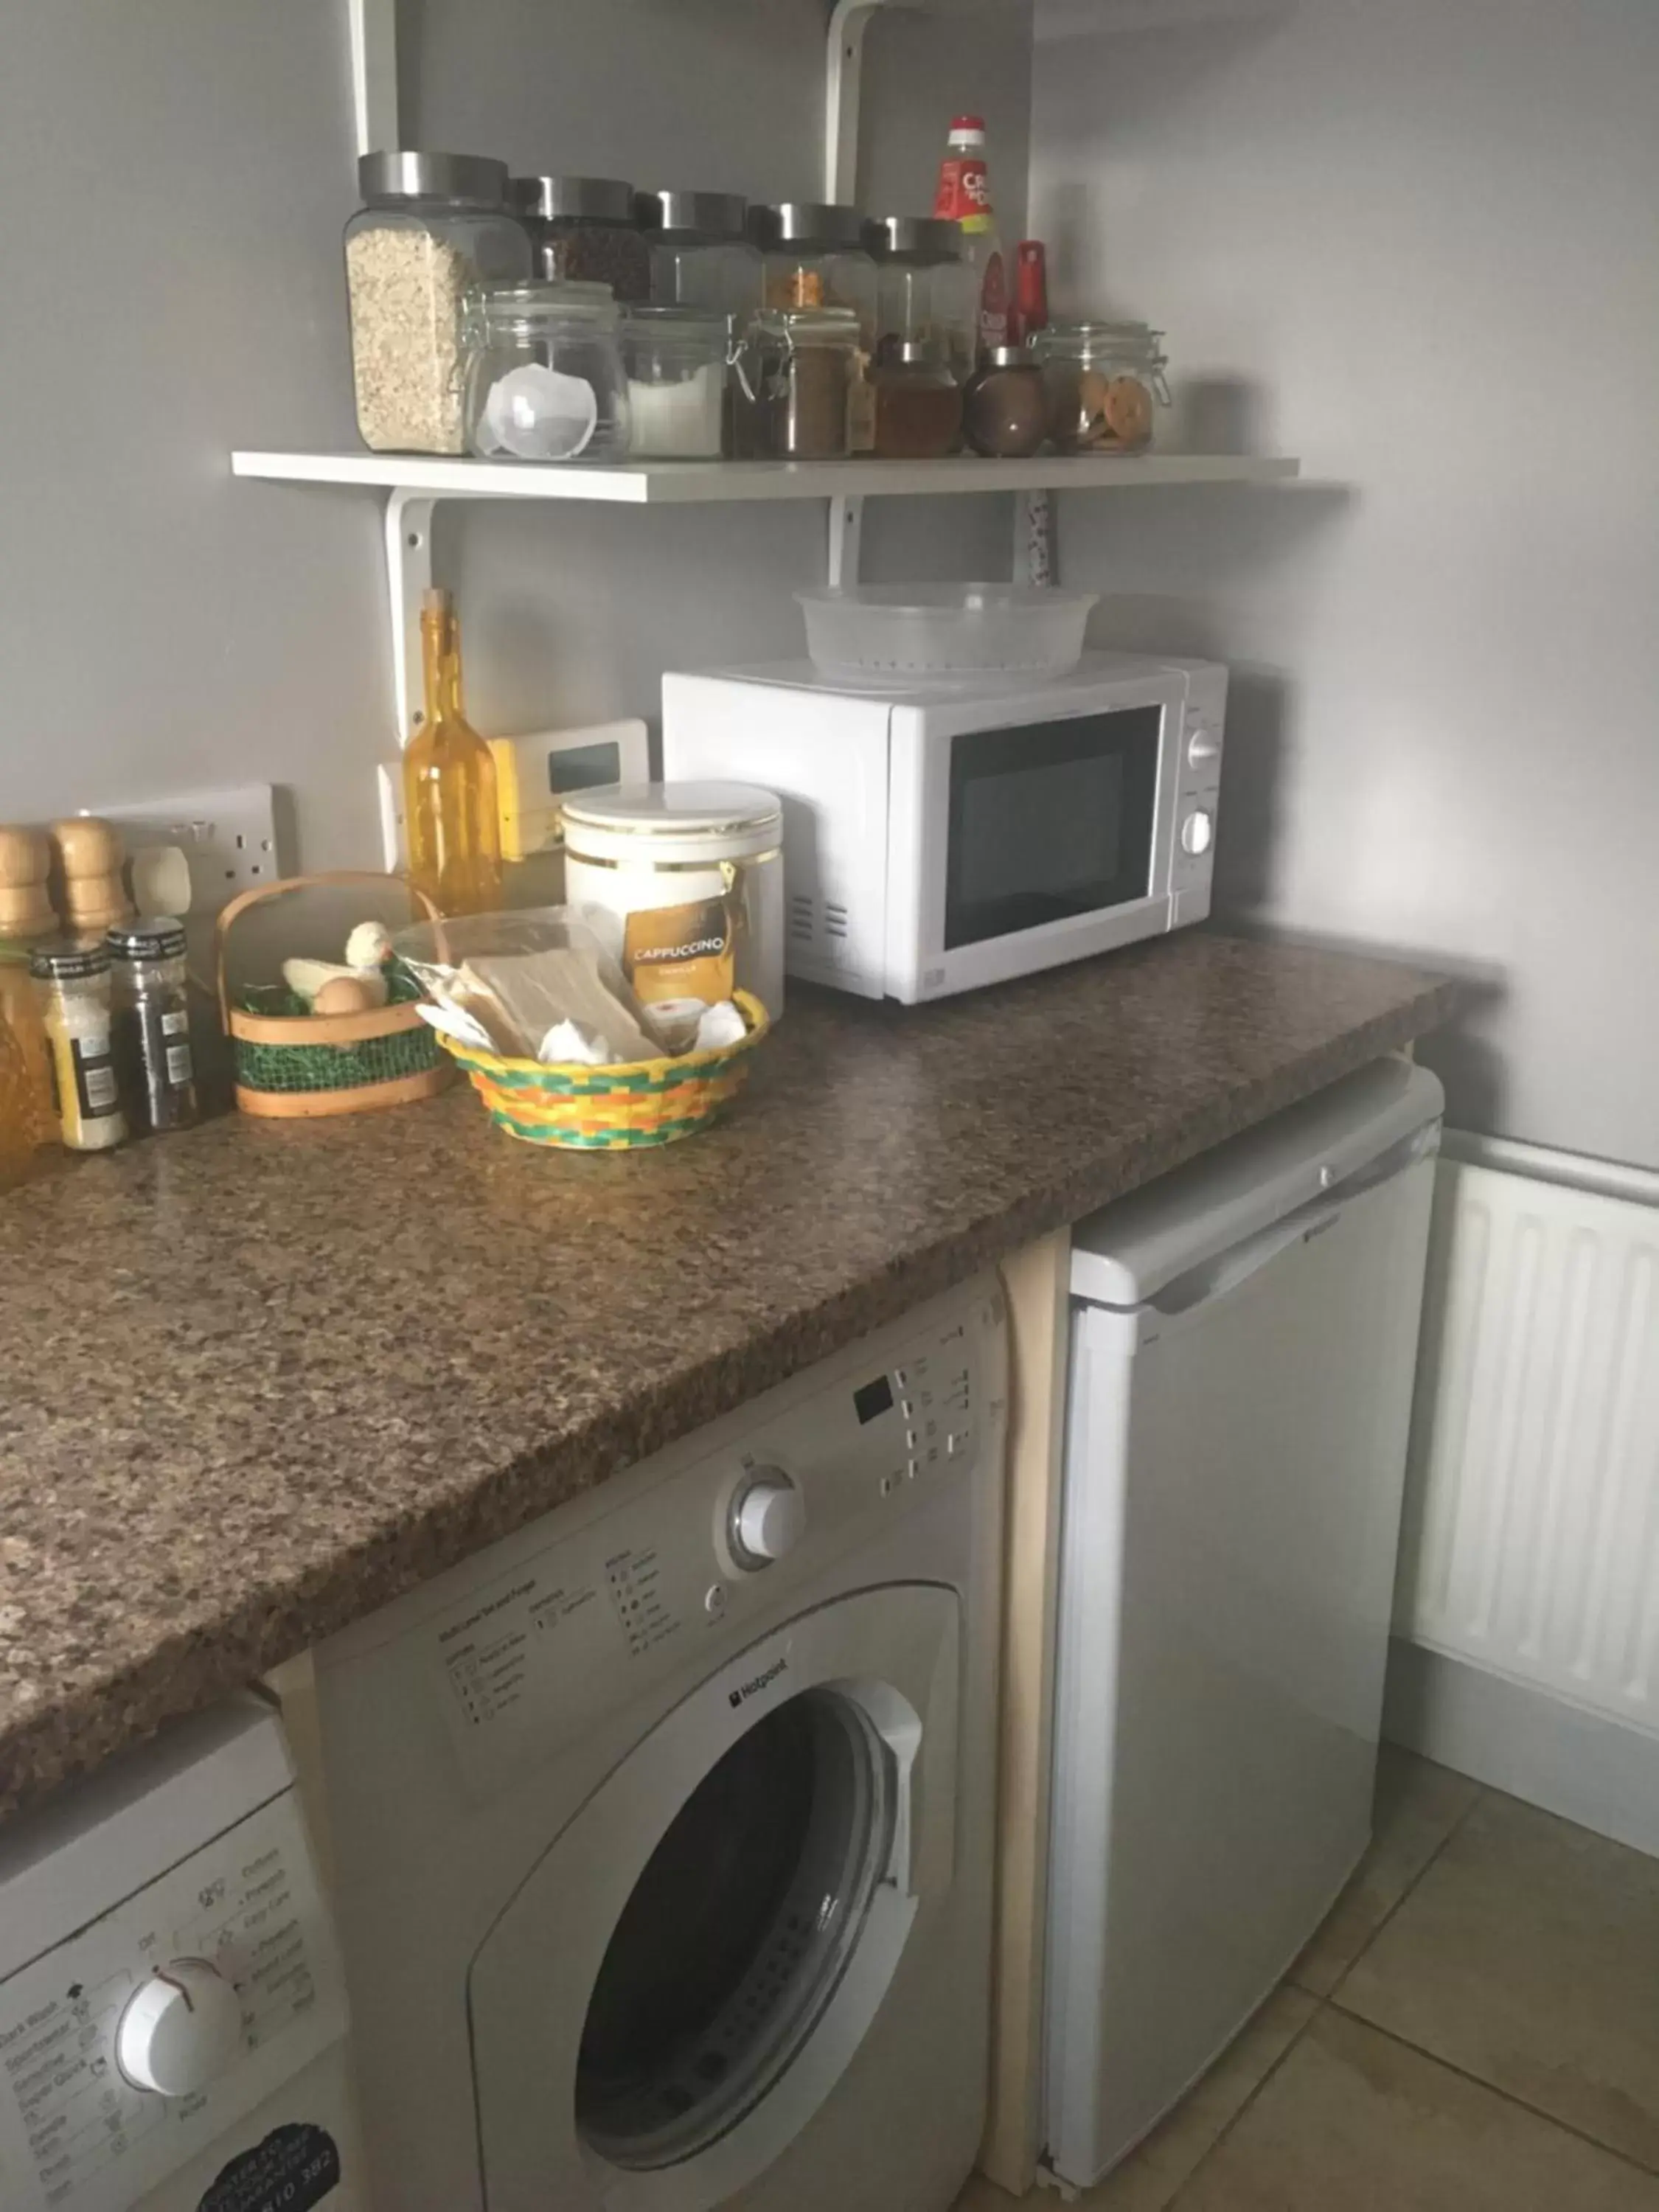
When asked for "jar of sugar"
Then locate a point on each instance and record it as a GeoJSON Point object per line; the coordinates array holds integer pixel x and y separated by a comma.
{"type": "Point", "coordinates": [675, 359]}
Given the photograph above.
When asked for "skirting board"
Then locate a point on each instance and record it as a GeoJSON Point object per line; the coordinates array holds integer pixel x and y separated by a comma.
{"type": "Point", "coordinates": [1601, 1773]}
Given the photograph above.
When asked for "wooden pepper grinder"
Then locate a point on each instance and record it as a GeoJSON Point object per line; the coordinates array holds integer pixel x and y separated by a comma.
{"type": "Point", "coordinates": [90, 857]}
{"type": "Point", "coordinates": [25, 907]}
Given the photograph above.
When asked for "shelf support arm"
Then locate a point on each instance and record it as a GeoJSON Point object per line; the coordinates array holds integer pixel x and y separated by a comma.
{"type": "Point", "coordinates": [409, 576]}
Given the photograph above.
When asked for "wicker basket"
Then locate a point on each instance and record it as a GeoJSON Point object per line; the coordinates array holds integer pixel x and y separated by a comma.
{"type": "Point", "coordinates": [292, 1065]}
{"type": "Point", "coordinates": [611, 1109]}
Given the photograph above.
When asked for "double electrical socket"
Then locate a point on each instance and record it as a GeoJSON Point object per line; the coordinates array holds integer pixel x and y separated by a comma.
{"type": "Point", "coordinates": [228, 838]}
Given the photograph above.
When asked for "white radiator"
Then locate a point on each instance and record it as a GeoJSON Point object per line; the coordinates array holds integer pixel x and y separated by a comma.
{"type": "Point", "coordinates": [1530, 1547]}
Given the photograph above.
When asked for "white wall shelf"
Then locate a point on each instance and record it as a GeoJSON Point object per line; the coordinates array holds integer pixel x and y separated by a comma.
{"type": "Point", "coordinates": [677, 483]}
{"type": "Point", "coordinates": [414, 483]}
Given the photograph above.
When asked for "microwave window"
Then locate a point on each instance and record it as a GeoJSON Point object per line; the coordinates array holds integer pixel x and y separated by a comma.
{"type": "Point", "coordinates": [1049, 821]}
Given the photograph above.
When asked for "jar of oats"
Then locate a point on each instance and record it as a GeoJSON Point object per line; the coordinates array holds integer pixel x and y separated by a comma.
{"type": "Point", "coordinates": [431, 226]}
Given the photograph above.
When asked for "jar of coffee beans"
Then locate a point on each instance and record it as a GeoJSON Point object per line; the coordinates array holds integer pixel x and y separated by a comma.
{"type": "Point", "coordinates": [585, 233]}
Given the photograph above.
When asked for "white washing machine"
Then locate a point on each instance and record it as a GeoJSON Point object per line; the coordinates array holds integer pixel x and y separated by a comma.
{"type": "Point", "coordinates": [172, 2019]}
{"type": "Point", "coordinates": [665, 1827]}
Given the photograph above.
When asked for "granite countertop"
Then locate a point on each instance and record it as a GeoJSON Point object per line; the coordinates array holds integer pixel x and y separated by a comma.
{"type": "Point", "coordinates": [257, 1379]}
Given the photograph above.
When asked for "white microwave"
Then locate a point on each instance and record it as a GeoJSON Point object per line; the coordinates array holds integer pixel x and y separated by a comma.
{"type": "Point", "coordinates": [941, 838]}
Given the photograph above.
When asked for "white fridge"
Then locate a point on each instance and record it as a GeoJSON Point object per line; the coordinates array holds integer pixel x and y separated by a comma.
{"type": "Point", "coordinates": [1244, 1340]}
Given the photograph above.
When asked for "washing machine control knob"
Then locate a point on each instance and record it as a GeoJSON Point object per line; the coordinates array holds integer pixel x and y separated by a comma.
{"type": "Point", "coordinates": [182, 2028]}
{"type": "Point", "coordinates": [768, 1518]}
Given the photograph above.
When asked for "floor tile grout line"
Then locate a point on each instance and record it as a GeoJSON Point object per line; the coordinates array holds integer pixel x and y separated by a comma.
{"type": "Point", "coordinates": [1496, 2089]}
{"type": "Point", "coordinates": [1173, 2204]}
{"type": "Point", "coordinates": [1412, 1887]}
{"type": "Point", "coordinates": [1328, 2001]}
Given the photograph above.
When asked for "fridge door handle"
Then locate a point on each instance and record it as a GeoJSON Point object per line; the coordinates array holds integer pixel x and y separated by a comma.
{"type": "Point", "coordinates": [1215, 1279]}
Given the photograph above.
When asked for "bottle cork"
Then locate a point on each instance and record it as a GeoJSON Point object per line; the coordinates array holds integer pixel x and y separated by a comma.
{"type": "Point", "coordinates": [25, 907]}
{"type": "Point", "coordinates": [90, 857]}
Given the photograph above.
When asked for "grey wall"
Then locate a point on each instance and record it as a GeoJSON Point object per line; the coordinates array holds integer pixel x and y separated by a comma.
{"type": "Point", "coordinates": [1415, 244]}
{"type": "Point", "coordinates": [174, 179]}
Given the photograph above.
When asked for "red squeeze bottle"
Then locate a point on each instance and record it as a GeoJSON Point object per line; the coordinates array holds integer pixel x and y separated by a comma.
{"type": "Point", "coordinates": [965, 198]}
{"type": "Point", "coordinates": [1029, 310]}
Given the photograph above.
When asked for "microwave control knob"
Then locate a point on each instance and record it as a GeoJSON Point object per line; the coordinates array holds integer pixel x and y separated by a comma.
{"type": "Point", "coordinates": [1197, 833]}
{"type": "Point", "coordinates": [769, 1519]}
{"type": "Point", "coordinates": [1201, 747]}
{"type": "Point", "coordinates": [182, 2028]}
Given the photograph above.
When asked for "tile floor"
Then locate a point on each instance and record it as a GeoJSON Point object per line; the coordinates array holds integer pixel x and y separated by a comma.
{"type": "Point", "coordinates": [1475, 2028]}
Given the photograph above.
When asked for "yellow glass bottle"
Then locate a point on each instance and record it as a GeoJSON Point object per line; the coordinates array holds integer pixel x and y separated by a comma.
{"type": "Point", "coordinates": [449, 781]}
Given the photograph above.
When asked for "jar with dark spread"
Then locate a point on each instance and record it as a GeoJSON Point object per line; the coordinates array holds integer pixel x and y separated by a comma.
{"type": "Point", "coordinates": [150, 1030]}
{"type": "Point", "coordinates": [793, 371]}
{"type": "Point", "coordinates": [918, 404]}
{"type": "Point", "coordinates": [1004, 409]}
{"type": "Point", "coordinates": [585, 231]}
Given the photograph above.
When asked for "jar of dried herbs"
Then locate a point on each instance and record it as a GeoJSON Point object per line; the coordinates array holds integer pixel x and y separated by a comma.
{"type": "Point", "coordinates": [432, 225]}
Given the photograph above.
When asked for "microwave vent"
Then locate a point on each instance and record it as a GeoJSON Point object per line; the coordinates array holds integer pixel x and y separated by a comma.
{"type": "Point", "coordinates": [803, 918]}
{"type": "Point", "coordinates": [834, 920]}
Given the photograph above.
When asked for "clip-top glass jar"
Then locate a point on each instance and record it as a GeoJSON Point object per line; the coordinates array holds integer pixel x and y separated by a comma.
{"type": "Point", "coordinates": [584, 232]}
{"type": "Point", "coordinates": [432, 226]}
{"type": "Point", "coordinates": [544, 378]}
{"type": "Point", "coordinates": [926, 293]}
{"type": "Point", "coordinates": [817, 257]}
{"type": "Point", "coordinates": [150, 1036]}
{"type": "Point", "coordinates": [1103, 381]}
{"type": "Point", "coordinates": [702, 255]}
{"type": "Point", "coordinates": [793, 371]}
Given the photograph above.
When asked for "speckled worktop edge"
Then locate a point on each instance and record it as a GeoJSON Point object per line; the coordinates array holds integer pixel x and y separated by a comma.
{"type": "Point", "coordinates": [258, 1379]}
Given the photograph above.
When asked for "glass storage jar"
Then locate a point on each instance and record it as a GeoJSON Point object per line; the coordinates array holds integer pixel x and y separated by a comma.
{"type": "Point", "coordinates": [431, 227]}
{"type": "Point", "coordinates": [816, 257]}
{"type": "Point", "coordinates": [926, 293]}
{"type": "Point", "coordinates": [918, 404]}
{"type": "Point", "coordinates": [702, 255]}
{"type": "Point", "coordinates": [584, 232]}
{"type": "Point", "coordinates": [1102, 380]}
{"type": "Point", "coordinates": [794, 370]}
{"type": "Point", "coordinates": [544, 378]}
{"type": "Point", "coordinates": [1004, 409]}
{"type": "Point", "coordinates": [675, 361]}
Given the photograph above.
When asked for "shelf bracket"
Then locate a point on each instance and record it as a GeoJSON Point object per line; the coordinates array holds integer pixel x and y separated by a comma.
{"type": "Point", "coordinates": [408, 575]}
{"type": "Point", "coordinates": [849, 22]}
{"type": "Point", "coordinates": [845, 537]}
{"type": "Point", "coordinates": [371, 28]}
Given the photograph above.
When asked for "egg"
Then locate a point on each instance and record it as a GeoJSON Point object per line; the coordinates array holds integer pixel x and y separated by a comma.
{"type": "Point", "coordinates": [350, 995]}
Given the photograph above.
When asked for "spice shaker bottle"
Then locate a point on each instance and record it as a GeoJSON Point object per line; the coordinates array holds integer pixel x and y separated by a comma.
{"type": "Point", "coordinates": [73, 981]}
{"type": "Point", "coordinates": [150, 1025]}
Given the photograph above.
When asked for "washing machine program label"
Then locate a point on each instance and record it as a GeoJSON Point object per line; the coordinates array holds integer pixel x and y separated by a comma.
{"type": "Point", "coordinates": [75, 2136]}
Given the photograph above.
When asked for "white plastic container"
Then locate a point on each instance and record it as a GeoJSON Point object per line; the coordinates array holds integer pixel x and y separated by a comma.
{"type": "Point", "coordinates": [632, 849]}
{"type": "Point", "coordinates": [938, 631]}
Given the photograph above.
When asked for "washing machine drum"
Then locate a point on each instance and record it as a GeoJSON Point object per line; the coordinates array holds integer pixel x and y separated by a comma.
{"type": "Point", "coordinates": [688, 1971]}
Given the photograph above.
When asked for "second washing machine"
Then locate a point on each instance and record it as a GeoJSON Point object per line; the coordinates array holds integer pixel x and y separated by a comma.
{"type": "Point", "coordinates": [665, 1827]}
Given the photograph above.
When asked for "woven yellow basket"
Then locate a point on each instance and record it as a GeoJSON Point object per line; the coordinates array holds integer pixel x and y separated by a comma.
{"type": "Point", "coordinates": [611, 1109]}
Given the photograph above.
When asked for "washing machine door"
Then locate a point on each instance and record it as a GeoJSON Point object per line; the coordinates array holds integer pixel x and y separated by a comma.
{"type": "Point", "coordinates": [686, 1973]}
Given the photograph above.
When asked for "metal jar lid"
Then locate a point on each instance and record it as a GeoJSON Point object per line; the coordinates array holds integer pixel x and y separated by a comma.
{"type": "Point", "coordinates": [472, 179]}
{"type": "Point", "coordinates": [806, 222]}
{"type": "Point", "coordinates": [152, 936]}
{"type": "Point", "coordinates": [555, 199]}
{"type": "Point", "coordinates": [1006, 357]}
{"type": "Point", "coordinates": [69, 960]}
{"type": "Point", "coordinates": [672, 820]}
{"type": "Point", "coordinates": [923, 237]}
{"type": "Point", "coordinates": [716, 215]}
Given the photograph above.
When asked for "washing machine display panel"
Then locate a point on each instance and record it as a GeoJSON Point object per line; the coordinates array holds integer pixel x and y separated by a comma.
{"type": "Point", "coordinates": [646, 1580]}
{"type": "Point", "coordinates": [260, 1994]}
